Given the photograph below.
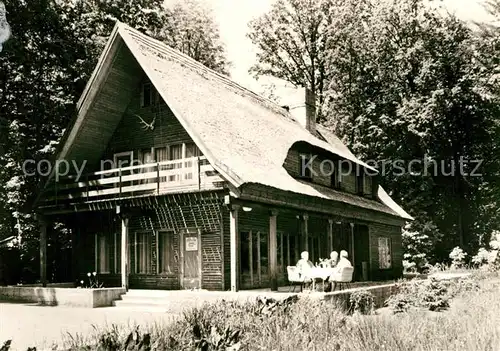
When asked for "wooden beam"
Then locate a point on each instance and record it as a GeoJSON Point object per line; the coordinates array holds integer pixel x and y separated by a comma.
{"type": "Point", "coordinates": [250, 255]}
{"type": "Point", "coordinates": [288, 250]}
{"type": "Point", "coordinates": [43, 251]}
{"type": "Point", "coordinates": [282, 259]}
{"type": "Point", "coordinates": [297, 250]}
{"type": "Point", "coordinates": [273, 252]}
{"type": "Point", "coordinates": [234, 236]}
{"type": "Point", "coordinates": [330, 235]}
{"type": "Point", "coordinates": [306, 233]}
{"type": "Point", "coordinates": [222, 264]}
{"type": "Point", "coordinates": [259, 268]}
{"type": "Point", "coordinates": [96, 253]}
{"type": "Point", "coordinates": [124, 253]}
{"type": "Point", "coordinates": [352, 243]}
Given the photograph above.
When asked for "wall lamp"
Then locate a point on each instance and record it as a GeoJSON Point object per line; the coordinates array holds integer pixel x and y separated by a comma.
{"type": "Point", "coordinates": [247, 209]}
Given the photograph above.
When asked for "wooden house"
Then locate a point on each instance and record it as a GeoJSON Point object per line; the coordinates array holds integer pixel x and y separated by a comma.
{"type": "Point", "coordinates": [191, 181]}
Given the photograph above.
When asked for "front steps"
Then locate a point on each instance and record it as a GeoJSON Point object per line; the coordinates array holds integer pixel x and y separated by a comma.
{"type": "Point", "coordinates": [165, 301]}
{"type": "Point", "coordinates": [176, 301]}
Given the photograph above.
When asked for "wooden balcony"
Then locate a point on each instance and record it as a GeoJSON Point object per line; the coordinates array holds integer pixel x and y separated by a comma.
{"type": "Point", "coordinates": [168, 177]}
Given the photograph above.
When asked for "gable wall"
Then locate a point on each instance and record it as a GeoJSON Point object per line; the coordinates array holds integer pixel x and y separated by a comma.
{"type": "Point", "coordinates": [130, 136]}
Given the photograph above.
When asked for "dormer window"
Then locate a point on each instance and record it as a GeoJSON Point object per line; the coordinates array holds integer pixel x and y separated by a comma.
{"type": "Point", "coordinates": [360, 183]}
{"type": "Point", "coordinates": [335, 179]}
{"type": "Point", "coordinates": [305, 165]}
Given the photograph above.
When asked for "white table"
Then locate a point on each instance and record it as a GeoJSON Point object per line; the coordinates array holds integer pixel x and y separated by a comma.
{"type": "Point", "coordinates": [319, 273]}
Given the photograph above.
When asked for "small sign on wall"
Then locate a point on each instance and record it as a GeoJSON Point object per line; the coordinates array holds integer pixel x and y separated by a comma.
{"type": "Point", "coordinates": [191, 243]}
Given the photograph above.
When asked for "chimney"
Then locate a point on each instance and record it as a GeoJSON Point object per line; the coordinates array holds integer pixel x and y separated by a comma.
{"type": "Point", "coordinates": [310, 101]}
{"type": "Point", "coordinates": [301, 104]}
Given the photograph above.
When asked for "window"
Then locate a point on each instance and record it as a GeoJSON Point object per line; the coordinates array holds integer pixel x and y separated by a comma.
{"type": "Point", "coordinates": [123, 159]}
{"type": "Point", "coordinates": [369, 185]}
{"type": "Point", "coordinates": [335, 178]}
{"type": "Point", "coordinates": [360, 183]}
{"type": "Point", "coordinates": [103, 250]}
{"type": "Point", "coordinates": [147, 157]}
{"type": "Point", "coordinates": [305, 166]}
{"type": "Point", "coordinates": [175, 154]}
{"type": "Point", "coordinates": [245, 263]}
{"type": "Point", "coordinates": [191, 151]}
{"type": "Point", "coordinates": [118, 253]}
{"type": "Point", "coordinates": [147, 95]}
{"type": "Point", "coordinates": [166, 253]}
{"type": "Point", "coordinates": [160, 156]}
{"type": "Point", "coordinates": [142, 252]}
{"type": "Point", "coordinates": [384, 253]}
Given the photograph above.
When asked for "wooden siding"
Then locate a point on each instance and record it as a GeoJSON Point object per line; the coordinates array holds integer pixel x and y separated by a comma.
{"type": "Point", "coordinates": [394, 234]}
{"type": "Point", "coordinates": [212, 217]}
{"type": "Point", "coordinates": [204, 214]}
{"type": "Point", "coordinates": [129, 136]}
{"type": "Point", "coordinates": [330, 209]}
{"type": "Point", "coordinates": [113, 96]}
{"type": "Point", "coordinates": [211, 262]}
{"type": "Point", "coordinates": [226, 246]}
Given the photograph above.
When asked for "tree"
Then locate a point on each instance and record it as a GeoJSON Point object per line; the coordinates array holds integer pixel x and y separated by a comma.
{"type": "Point", "coordinates": [192, 30]}
{"type": "Point", "coordinates": [401, 81]}
{"type": "Point", "coordinates": [291, 40]}
{"type": "Point", "coordinates": [44, 67]}
{"type": "Point", "coordinates": [408, 83]}
{"type": "Point", "coordinates": [187, 26]}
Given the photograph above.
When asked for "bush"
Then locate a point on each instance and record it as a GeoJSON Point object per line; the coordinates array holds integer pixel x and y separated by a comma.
{"type": "Point", "coordinates": [361, 301]}
{"type": "Point", "coordinates": [429, 294]}
{"type": "Point", "coordinates": [458, 256]}
{"type": "Point", "coordinates": [267, 324]}
{"type": "Point", "coordinates": [489, 259]}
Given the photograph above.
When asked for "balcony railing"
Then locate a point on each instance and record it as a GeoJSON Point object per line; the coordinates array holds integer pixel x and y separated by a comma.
{"type": "Point", "coordinates": [183, 175]}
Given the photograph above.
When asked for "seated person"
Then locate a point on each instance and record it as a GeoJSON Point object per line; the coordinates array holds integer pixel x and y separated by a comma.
{"type": "Point", "coordinates": [303, 265]}
{"type": "Point", "coordinates": [343, 262]}
{"type": "Point", "coordinates": [332, 263]}
{"type": "Point", "coordinates": [334, 257]}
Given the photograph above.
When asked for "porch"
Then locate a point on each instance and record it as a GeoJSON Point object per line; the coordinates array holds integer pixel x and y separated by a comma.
{"type": "Point", "coordinates": [154, 178]}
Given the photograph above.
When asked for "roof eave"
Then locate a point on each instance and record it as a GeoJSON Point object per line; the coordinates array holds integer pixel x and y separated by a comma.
{"type": "Point", "coordinates": [85, 100]}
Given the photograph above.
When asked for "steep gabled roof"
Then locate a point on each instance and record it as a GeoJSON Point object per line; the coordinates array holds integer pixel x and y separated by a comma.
{"type": "Point", "coordinates": [245, 136]}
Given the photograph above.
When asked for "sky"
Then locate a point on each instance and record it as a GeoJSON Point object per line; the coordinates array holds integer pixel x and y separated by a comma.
{"type": "Point", "coordinates": [233, 17]}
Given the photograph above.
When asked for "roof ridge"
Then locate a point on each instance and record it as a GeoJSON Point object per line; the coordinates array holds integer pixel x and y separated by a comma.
{"type": "Point", "coordinates": [185, 59]}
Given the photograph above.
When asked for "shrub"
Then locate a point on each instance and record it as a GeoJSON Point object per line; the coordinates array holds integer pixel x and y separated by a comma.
{"type": "Point", "coordinates": [457, 256]}
{"type": "Point", "coordinates": [489, 259]}
{"type": "Point", "coordinates": [361, 301]}
{"type": "Point", "coordinates": [481, 258]}
{"type": "Point", "coordinates": [429, 294]}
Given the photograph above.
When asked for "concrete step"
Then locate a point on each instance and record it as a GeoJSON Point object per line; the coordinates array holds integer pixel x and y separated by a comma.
{"type": "Point", "coordinates": [145, 308]}
{"type": "Point", "coordinates": [157, 302]}
{"type": "Point", "coordinates": [128, 300]}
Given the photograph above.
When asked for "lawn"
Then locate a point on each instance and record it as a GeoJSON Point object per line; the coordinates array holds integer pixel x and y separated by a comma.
{"type": "Point", "coordinates": [468, 319]}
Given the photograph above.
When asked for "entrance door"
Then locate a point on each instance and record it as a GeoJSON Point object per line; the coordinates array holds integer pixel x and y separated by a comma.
{"type": "Point", "coordinates": [191, 260]}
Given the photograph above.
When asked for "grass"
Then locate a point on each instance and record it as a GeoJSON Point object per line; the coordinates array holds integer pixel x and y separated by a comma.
{"type": "Point", "coordinates": [472, 322]}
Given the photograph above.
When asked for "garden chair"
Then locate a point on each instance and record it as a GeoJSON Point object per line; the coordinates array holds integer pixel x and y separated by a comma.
{"type": "Point", "coordinates": [342, 278]}
{"type": "Point", "coordinates": [294, 277]}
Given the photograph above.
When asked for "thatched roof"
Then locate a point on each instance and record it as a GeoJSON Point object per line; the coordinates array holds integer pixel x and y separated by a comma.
{"type": "Point", "coordinates": [245, 136]}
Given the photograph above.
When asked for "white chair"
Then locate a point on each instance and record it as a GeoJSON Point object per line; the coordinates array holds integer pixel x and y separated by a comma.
{"type": "Point", "coordinates": [342, 277]}
{"type": "Point", "coordinates": [294, 277]}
